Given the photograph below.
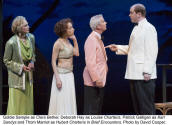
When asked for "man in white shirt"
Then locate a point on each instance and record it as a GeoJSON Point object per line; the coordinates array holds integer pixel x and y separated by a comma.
{"type": "Point", "coordinates": [141, 63]}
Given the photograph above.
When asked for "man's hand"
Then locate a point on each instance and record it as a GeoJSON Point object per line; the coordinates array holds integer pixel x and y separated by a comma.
{"type": "Point", "coordinates": [99, 84]}
{"type": "Point", "coordinates": [112, 47]}
{"type": "Point", "coordinates": [146, 76]}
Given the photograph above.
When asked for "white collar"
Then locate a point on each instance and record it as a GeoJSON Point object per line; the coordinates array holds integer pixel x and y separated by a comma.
{"type": "Point", "coordinates": [98, 34]}
{"type": "Point", "coordinates": [142, 21]}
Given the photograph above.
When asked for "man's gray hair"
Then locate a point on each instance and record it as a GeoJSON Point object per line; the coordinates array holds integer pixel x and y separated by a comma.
{"type": "Point", "coordinates": [95, 20]}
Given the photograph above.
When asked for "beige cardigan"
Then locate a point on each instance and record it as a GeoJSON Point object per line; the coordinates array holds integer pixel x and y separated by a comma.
{"type": "Point", "coordinates": [14, 63]}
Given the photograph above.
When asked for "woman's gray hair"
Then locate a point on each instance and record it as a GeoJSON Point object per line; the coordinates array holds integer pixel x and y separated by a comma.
{"type": "Point", "coordinates": [95, 20]}
{"type": "Point", "coordinates": [17, 24]}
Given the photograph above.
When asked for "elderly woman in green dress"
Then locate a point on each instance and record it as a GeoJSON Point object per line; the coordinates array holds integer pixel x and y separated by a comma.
{"type": "Point", "coordinates": [19, 58]}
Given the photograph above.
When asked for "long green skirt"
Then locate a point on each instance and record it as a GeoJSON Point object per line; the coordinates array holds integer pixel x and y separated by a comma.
{"type": "Point", "coordinates": [20, 102]}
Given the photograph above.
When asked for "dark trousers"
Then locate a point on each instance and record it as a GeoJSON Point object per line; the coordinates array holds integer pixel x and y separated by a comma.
{"type": "Point", "coordinates": [93, 100]}
{"type": "Point", "coordinates": [142, 94]}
